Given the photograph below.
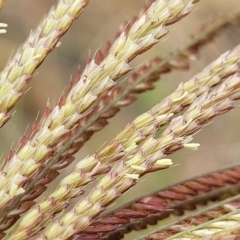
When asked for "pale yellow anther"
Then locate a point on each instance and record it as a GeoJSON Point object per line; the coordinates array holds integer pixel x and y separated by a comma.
{"type": "Point", "coordinates": [132, 176]}
{"type": "Point", "coordinates": [191, 146]}
{"type": "Point", "coordinates": [164, 162]}
{"type": "Point", "coordinates": [3, 25]}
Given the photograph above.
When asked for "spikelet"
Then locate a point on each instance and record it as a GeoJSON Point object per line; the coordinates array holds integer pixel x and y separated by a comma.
{"type": "Point", "coordinates": [19, 71]}
{"type": "Point", "coordinates": [136, 149]}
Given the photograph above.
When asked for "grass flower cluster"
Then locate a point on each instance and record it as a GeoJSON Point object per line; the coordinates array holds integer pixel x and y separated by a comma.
{"type": "Point", "coordinates": [69, 211]}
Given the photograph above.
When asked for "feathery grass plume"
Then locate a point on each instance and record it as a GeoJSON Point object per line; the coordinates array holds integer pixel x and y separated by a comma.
{"type": "Point", "coordinates": [19, 71]}
{"type": "Point", "coordinates": [136, 150]}
{"type": "Point", "coordinates": [217, 221]}
{"type": "Point", "coordinates": [141, 128]}
{"type": "Point", "coordinates": [96, 79]}
{"type": "Point", "coordinates": [147, 158]}
{"type": "Point", "coordinates": [160, 204]}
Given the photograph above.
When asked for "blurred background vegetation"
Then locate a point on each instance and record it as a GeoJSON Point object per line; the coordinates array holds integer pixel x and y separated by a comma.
{"type": "Point", "coordinates": [220, 141]}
